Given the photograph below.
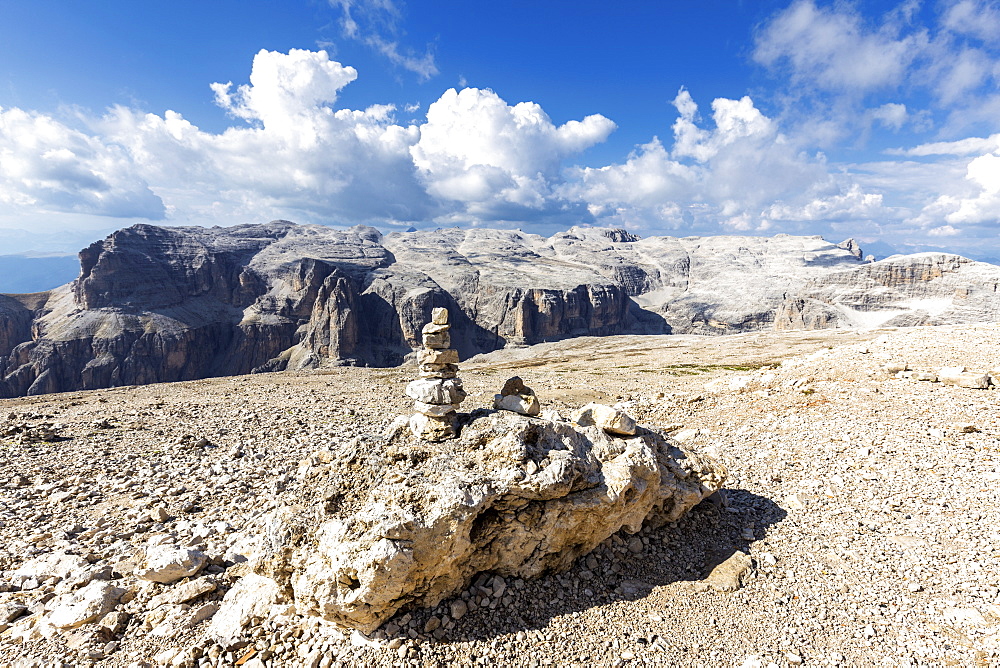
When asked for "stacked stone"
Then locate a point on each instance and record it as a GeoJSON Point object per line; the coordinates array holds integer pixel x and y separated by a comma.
{"type": "Point", "coordinates": [438, 391]}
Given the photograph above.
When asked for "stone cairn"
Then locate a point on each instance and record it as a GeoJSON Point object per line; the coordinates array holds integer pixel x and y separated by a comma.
{"type": "Point", "coordinates": [438, 391]}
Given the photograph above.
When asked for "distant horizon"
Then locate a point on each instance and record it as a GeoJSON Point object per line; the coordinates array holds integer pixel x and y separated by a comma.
{"type": "Point", "coordinates": [877, 120]}
{"type": "Point", "coordinates": [34, 253]}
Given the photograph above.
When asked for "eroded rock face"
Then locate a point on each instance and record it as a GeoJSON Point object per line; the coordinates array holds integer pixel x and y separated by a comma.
{"type": "Point", "coordinates": [408, 523]}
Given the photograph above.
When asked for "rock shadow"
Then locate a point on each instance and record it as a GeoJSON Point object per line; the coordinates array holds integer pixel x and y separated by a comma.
{"type": "Point", "coordinates": [685, 551]}
{"type": "Point", "coordinates": [645, 322]}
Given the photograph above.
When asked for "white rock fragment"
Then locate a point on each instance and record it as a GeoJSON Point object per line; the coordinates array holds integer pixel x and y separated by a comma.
{"type": "Point", "coordinates": [251, 597]}
{"type": "Point", "coordinates": [516, 404]}
{"type": "Point", "coordinates": [201, 613]}
{"type": "Point", "coordinates": [608, 418]}
{"type": "Point", "coordinates": [159, 514]}
{"type": "Point", "coordinates": [970, 379]}
{"type": "Point", "coordinates": [51, 565]}
{"type": "Point", "coordinates": [439, 316]}
{"type": "Point", "coordinates": [685, 435]}
{"type": "Point", "coordinates": [10, 611]}
{"type": "Point", "coordinates": [794, 502]}
{"type": "Point", "coordinates": [431, 428]}
{"type": "Point", "coordinates": [436, 391]}
{"type": "Point", "coordinates": [729, 575]}
{"type": "Point", "coordinates": [517, 397]}
{"type": "Point", "coordinates": [169, 563]}
{"type": "Point", "coordinates": [184, 592]}
{"type": "Point", "coordinates": [434, 410]}
{"type": "Point", "coordinates": [437, 356]}
{"type": "Point", "coordinates": [86, 605]}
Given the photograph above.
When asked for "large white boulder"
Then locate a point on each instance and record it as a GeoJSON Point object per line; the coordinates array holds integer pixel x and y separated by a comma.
{"type": "Point", "coordinates": [514, 495]}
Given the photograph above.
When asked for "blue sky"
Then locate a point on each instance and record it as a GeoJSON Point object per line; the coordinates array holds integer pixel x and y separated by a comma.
{"type": "Point", "coordinates": [877, 120]}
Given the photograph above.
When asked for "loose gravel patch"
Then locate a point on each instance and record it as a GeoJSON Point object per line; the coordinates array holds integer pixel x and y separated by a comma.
{"type": "Point", "coordinates": [863, 497]}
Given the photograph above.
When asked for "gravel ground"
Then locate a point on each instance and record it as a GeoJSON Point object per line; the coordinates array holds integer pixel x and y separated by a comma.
{"type": "Point", "coordinates": [863, 499]}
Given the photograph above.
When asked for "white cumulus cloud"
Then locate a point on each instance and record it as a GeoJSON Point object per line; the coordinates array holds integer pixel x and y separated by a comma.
{"type": "Point", "coordinates": [475, 158]}
{"type": "Point", "coordinates": [298, 157]}
{"type": "Point", "coordinates": [740, 173]}
{"type": "Point", "coordinates": [891, 115]}
{"type": "Point", "coordinates": [853, 204]}
{"type": "Point", "coordinates": [46, 165]}
{"type": "Point", "coordinates": [477, 149]}
{"type": "Point", "coordinates": [286, 90]}
{"type": "Point", "coordinates": [983, 207]}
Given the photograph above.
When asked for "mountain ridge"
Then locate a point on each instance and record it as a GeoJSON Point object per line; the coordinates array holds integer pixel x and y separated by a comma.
{"type": "Point", "coordinates": [157, 304]}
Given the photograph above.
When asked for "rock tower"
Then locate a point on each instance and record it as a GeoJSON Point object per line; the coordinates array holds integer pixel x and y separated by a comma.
{"type": "Point", "coordinates": [438, 391]}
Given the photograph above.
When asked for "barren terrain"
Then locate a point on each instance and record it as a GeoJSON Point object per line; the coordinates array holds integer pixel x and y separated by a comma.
{"type": "Point", "coordinates": [864, 500]}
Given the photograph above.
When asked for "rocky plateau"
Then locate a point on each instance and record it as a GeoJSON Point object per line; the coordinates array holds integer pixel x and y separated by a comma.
{"type": "Point", "coordinates": [258, 520]}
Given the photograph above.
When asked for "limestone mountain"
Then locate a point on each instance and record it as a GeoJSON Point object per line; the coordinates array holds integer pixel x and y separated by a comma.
{"type": "Point", "coordinates": [155, 304]}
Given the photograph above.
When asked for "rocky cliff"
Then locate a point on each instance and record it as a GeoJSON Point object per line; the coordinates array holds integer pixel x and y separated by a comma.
{"type": "Point", "coordinates": [158, 304]}
{"type": "Point", "coordinates": [900, 291]}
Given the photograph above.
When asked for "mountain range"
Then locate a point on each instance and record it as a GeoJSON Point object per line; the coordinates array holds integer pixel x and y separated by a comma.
{"type": "Point", "coordinates": [157, 304]}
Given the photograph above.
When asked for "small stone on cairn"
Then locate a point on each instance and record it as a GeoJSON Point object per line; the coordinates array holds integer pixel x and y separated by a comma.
{"type": "Point", "coordinates": [517, 397]}
{"type": "Point", "coordinates": [438, 391]}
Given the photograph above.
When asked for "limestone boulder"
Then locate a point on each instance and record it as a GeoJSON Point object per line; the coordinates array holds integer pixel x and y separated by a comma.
{"type": "Point", "coordinates": [401, 522]}
{"type": "Point", "coordinates": [957, 375]}
{"type": "Point", "coordinates": [432, 428]}
{"type": "Point", "coordinates": [517, 403]}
